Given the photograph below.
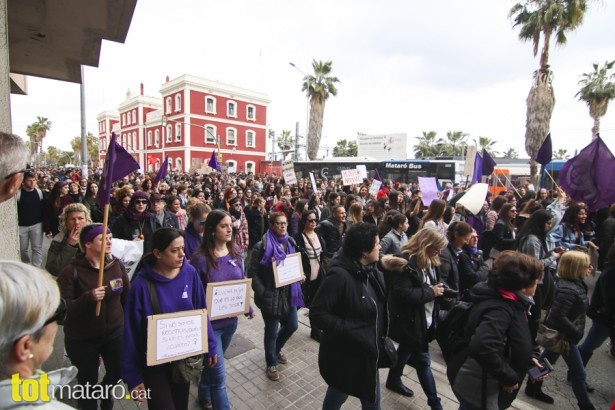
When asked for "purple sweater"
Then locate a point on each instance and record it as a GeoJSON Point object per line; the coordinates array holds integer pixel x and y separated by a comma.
{"type": "Point", "coordinates": [192, 240]}
{"type": "Point", "coordinates": [138, 306]}
{"type": "Point", "coordinates": [228, 269]}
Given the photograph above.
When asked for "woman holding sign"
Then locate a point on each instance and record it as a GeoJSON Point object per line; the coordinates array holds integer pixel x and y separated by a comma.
{"type": "Point", "coordinates": [218, 260]}
{"type": "Point", "coordinates": [278, 305]}
{"type": "Point", "coordinates": [177, 288]}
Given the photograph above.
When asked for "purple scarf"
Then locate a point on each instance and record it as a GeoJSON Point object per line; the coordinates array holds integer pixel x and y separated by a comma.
{"type": "Point", "coordinates": [275, 254]}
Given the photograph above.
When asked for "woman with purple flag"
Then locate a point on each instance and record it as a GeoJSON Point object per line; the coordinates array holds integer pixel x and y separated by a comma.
{"type": "Point", "coordinates": [278, 305]}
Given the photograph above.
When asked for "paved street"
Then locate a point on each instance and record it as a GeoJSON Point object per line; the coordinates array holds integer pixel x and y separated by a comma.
{"type": "Point", "coordinates": [301, 387]}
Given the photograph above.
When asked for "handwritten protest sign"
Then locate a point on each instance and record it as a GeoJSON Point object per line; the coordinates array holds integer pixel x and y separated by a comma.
{"type": "Point", "coordinates": [228, 299]}
{"type": "Point", "coordinates": [313, 180]}
{"type": "Point", "coordinates": [174, 336]}
{"type": "Point", "coordinates": [288, 172]}
{"type": "Point", "coordinates": [429, 189]}
{"type": "Point", "coordinates": [375, 187]}
{"type": "Point", "coordinates": [351, 176]}
{"type": "Point", "coordinates": [290, 270]}
{"type": "Point", "coordinates": [362, 171]}
{"type": "Point", "coordinates": [468, 168]}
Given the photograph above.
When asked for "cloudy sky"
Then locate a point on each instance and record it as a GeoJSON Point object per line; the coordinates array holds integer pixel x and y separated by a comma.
{"type": "Point", "coordinates": [404, 66]}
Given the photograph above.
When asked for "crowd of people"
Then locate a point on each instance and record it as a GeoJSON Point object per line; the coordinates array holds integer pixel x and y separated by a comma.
{"type": "Point", "coordinates": [378, 268]}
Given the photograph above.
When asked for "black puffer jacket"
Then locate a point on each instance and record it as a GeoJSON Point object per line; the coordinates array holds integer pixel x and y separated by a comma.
{"type": "Point", "coordinates": [328, 230]}
{"type": "Point", "coordinates": [269, 299]}
{"type": "Point", "coordinates": [408, 295]}
{"type": "Point", "coordinates": [353, 325]}
{"type": "Point", "coordinates": [567, 313]}
{"type": "Point", "coordinates": [602, 306]}
{"type": "Point", "coordinates": [501, 346]}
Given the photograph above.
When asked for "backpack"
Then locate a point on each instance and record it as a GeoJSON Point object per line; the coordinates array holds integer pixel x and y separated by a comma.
{"type": "Point", "coordinates": [453, 333]}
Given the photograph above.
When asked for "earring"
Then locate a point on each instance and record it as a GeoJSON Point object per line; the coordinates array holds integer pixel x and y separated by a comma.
{"type": "Point", "coordinates": [30, 356]}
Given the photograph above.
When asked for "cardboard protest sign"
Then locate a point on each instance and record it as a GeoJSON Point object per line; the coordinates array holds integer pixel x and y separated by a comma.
{"type": "Point", "coordinates": [228, 299]}
{"type": "Point", "coordinates": [290, 270]}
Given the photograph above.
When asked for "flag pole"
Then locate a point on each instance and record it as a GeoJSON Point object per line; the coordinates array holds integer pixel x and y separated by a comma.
{"type": "Point", "coordinates": [509, 181]}
{"type": "Point", "coordinates": [101, 268]}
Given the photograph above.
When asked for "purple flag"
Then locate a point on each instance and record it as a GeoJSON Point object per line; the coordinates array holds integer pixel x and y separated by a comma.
{"type": "Point", "coordinates": [590, 176]}
{"type": "Point", "coordinates": [488, 163]}
{"type": "Point", "coordinates": [545, 152]}
{"type": "Point", "coordinates": [213, 162]}
{"type": "Point", "coordinates": [118, 164]}
{"type": "Point", "coordinates": [162, 172]}
{"type": "Point", "coordinates": [377, 175]}
{"type": "Point", "coordinates": [478, 169]}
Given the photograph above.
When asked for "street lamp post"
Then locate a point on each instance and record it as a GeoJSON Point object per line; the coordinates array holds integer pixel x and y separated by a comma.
{"type": "Point", "coordinates": [307, 111]}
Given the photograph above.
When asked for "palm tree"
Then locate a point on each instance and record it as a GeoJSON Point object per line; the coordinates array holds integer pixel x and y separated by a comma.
{"type": "Point", "coordinates": [286, 143]}
{"type": "Point", "coordinates": [511, 154]}
{"type": "Point", "coordinates": [426, 146]}
{"type": "Point", "coordinates": [561, 154]}
{"type": "Point", "coordinates": [345, 149]}
{"type": "Point", "coordinates": [42, 125]}
{"type": "Point", "coordinates": [75, 144]}
{"type": "Point", "coordinates": [318, 87]}
{"type": "Point", "coordinates": [597, 89]}
{"type": "Point", "coordinates": [487, 143]}
{"type": "Point", "coordinates": [31, 133]}
{"type": "Point", "coordinates": [540, 20]}
{"type": "Point", "coordinates": [456, 141]}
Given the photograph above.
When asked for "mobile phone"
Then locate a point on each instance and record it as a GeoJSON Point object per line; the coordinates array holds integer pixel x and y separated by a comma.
{"type": "Point", "coordinates": [536, 372]}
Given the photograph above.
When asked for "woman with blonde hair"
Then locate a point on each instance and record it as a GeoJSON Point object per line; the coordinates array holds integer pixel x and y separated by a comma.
{"type": "Point", "coordinates": [30, 307]}
{"type": "Point", "coordinates": [567, 315]}
{"type": "Point", "coordinates": [355, 214]}
{"type": "Point", "coordinates": [414, 284]}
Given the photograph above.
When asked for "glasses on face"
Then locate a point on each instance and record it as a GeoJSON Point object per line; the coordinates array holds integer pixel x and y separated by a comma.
{"type": "Point", "coordinates": [310, 221]}
{"type": "Point", "coordinates": [21, 171]}
{"type": "Point", "coordinates": [59, 315]}
{"type": "Point", "coordinates": [141, 202]}
{"type": "Point", "coordinates": [280, 223]}
{"type": "Point", "coordinates": [514, 211]}
{"type": "Point", "coordinates": [237, 205]}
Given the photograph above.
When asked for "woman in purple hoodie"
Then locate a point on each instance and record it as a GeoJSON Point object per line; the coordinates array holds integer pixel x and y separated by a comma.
{"type": "Point", "coordinates": [178, 288]}
{"type": "Point", "coordinates": [218, 260]}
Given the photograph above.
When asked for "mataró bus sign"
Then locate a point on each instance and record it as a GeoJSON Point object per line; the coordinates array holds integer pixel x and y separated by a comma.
{"type": "Point", "coordinates": [403, 165]}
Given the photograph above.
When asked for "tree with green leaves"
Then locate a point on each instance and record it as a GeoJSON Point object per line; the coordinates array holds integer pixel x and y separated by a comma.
{"type": "Point", "coordinates": [318, 87]}
{"type": "Point", "coordinates": [427, 145]}
{"type": "Point", "coordinates": [487, 143]}
{"type": "Point", "coordinates": [286, 142]}
{"type": "Point", "coordinates": [456, 141]}
{"type": "Point", "coordinates": [92, 147]}
{"type": "Point", "coordinates": [511, 153]}
{"type": "Point", "coordinates": [345, 148]}
{"type": "Point", "coordinates": [538, 21]}
{"type": "Point", "coordinates": [561, 154]}
{"type": "Point", "coordinates": [597, 89]}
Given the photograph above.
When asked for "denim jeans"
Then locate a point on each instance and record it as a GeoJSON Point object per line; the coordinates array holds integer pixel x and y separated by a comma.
{"type": "Point", "coordinates": [595, 338]}
{"type": "Point", "coordinates": [421, 361]}
{"type": "Point", "coordinates": [577, 372]}
{"type": "Point", "coordinates": [334, 398]}
{"type": "Point", "coordinates": [277, 333]}
{"type": "Point", "coordinates": [212, 385]}
{"type": "Point", "coordinates": [31, 236]}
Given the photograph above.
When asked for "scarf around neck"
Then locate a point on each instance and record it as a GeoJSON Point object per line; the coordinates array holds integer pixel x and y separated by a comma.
{"type": "Point", "coordinates": [276, 249]}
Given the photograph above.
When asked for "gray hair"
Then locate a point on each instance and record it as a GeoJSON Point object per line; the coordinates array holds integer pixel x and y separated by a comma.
{"type": "Point", "coordinates": [28, 297]}
{"type": "Point", "coordinates": [13, 154]}
{"type": "Point", "coordinates": [74, 207]}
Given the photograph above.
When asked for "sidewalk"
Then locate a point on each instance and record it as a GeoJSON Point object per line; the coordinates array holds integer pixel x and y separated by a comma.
{"type": "Point", "coordinates": [300, 385]}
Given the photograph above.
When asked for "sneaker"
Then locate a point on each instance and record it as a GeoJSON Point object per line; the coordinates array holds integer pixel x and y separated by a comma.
{"type": "Point", "coordinates": [272, 373]}
{"type": "Point", "coordinates": [282, 359]}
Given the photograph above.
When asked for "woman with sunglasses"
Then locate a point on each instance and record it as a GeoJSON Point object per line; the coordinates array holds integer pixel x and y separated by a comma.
{"type": "Point", "coordinates": [87, 335]}
{"type": "Point", "coordinates": [312, 246]}
{"type": "Point", "coordinates": [137, 223]}
{"type": "Point", "coordinates": [193, 235]}
{"type": "Point", "coordinates": [504, 233]}
{"type": "Point", "coordinates": [30, 307]}
{"type": "Point", "coordinates": [218, 260]}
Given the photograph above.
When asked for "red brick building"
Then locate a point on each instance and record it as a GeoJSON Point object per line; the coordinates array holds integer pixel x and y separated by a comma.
{"type": "Point", "coordinates": [193, 117]}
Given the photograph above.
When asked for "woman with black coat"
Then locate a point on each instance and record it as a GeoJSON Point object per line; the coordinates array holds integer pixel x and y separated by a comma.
{"type": "Point", "coordinates": [500, 350]}
{"type": "Point", "coordinates": [504, 230]}
{"type": "Point", "coordinates": [137, 223]}
{"type": "Point", "coordinates": [350, 307]}
{"type": "Point", "coordinates": [414, 284]}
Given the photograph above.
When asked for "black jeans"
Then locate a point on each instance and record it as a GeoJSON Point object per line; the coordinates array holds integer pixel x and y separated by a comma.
{"type": "Point", "coordinates": [84, 355]}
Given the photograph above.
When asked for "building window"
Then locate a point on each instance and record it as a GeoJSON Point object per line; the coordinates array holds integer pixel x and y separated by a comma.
{"type": "Point", "coordinates": [168, 106]}
{"type": "Point", "coordinates": [210, 134]}
{"type": "Point", "coordinates": [231, 109]}
{"type": "Point", "coordinates": [134, 116]}
{"type": "Point", "coordinates": [210, 105]}
{"type": "Point", "coordinates": [249, 167]}
{"type": "Point", "coordinates": [129, 118]}
{"type": "Point", "coordinates": [231, 166]}
{"type": "Point", "coordinates": [178, 102]}
{"type": "Point", "coordinates": [157, 138]}
{"type": "Point", "coordinates": [149, 138]}
{"type": "Point", "coordinates": [134, 141]}
{"type": "Point", "coordinates": [169, 133]}
{"type": "Point", "coordinates": [250, 139]}
{"type": "Point", "coordinates": [251, 112]}
{"type": "Point", "coordinates": [123, 119]}
{"type": "Point", "coordinates": [179, 164]}
{"type": "Point", "coordinates": [231, 136]}
{"type": "Point", "coordinates": [178, 132]}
